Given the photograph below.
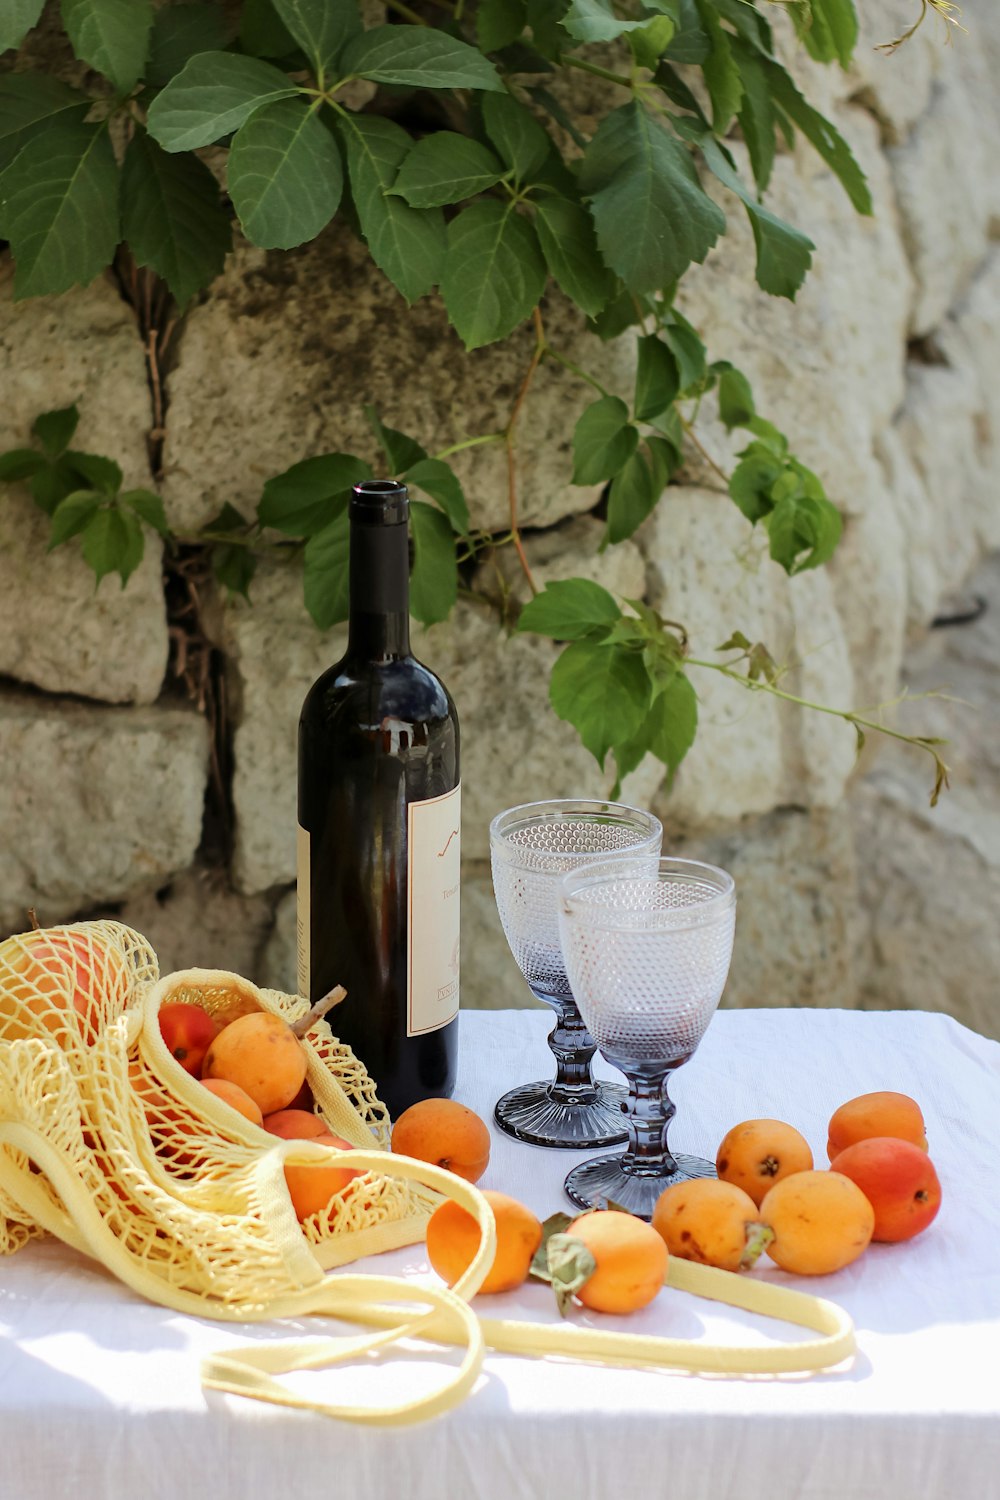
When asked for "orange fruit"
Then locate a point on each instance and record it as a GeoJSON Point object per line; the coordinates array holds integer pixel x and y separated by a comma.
{"type": "Point", "coordinates": [188, 1032]}
{"type": "Point", "coordinates": [262, 1054]}
{"type": "Point", "coordinates": [446, 1134]}
{"type": "Point", "coordinates": [821, 1220]}
{"type": "Point", "coordinates": [235, 1097]}
{"type": "Point", "coordinates": [311, 1186]}
{"type": "Point", "coordinates": [631, 1260]}
{"type": "Point", "coordinates": [758, 1153]}
{"type": "Point", "coordinates": [453, 1239]}
{"type": "Point", "coordinates": [296, 1125]}
{"type": "Point", "coordinates": [880, 1113]}
{"type": "Point", "coordinates": [713, 1222]}
{"type": "Point", "coordinates": [899, 1181]}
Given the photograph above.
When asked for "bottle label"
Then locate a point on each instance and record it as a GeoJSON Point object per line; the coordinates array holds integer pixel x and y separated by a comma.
{"type": "Point", "coordinates": [303, 896]}
{"type": "Point", "coordinates": [434, 844]}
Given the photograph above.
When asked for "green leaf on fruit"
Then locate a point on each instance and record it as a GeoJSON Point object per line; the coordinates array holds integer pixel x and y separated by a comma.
{"type": "Point", "coordinates": [557, 1223]}
{"type": "Point", "coordinates": [570, 1265]}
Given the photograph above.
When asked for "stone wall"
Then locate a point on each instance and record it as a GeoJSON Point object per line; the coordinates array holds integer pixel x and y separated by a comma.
{"type": "Point", "coordinates": [885, 373]}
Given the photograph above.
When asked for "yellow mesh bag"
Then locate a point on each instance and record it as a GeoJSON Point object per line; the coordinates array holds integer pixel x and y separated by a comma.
{"type": "Point", "coordinates": [107, 1143]}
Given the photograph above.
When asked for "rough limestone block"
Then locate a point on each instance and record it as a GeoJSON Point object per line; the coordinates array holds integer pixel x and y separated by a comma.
{"type": "Point", "coordinates": [937, 428]}
{"type": "Point", "coordinates": [946, 187]}
{"type": "Point", "coordinates": [514, 749]}
{"type": "Point", "coordinates": [102, 802]}
{"type": "Point", "coordinates": [55, 633]}
{"type": "Point", "coordinates": [277, 364]}
{"type": "Point", "coordinates": [828, 368]}
{"type": "Point", "coordinates": [58, 633]}
{"type": "Point", "coordinates": [708, 572]}
{"type": "Point", "coordinates": [197, 921]}
{"type": "Point", "coordinates": [796, 894]}
{"type": "Point", "coordinates": [898, 87]}
{"type": "Point", "coordinates": [970, 340]}
{"type": "Point", "coordinates": [929, 878]}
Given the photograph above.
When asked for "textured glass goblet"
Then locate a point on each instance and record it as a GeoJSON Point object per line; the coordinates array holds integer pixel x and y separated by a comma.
{"type": "Point", "coordinates": [531, 848]}
{"type": "Point", "coordinates": [647, 955]}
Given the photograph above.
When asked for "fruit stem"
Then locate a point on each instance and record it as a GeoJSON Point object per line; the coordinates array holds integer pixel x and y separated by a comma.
{"type": "Point", "coordinates": [36, 926]}
{"type": "Point", "coordinates": [759, 1236]}
{"type": "Point", "coordinates": [318, 1011]}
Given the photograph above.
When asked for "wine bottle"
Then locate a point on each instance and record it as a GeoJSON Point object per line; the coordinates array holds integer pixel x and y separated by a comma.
{"type": "Point", "coordinates": [379, 826]}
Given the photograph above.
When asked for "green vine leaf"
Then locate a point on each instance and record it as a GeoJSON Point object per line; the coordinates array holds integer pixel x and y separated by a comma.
{"type": "Point", "coordinates": [408, 244]}
{"type": "Point", "coordinates": [401, 451]}
{"type": "Point", "coordinates": [322, 30]}
{"type": "Point", "coordinates": [419, 57]}
{"type": "Point", "coordinates": [111, 36]}
{"type": "Point", "coordinates": [172, 217]}
{"type": "Point", "coordinates": [603, 441]}
{"type": "Point", "coordinates": [689, 352]}
{"type": "Point", "coordinates": [113, 543]}
{"type": "Point", "coordinates": [262, 31]}
{"type": "Point", "coordinates": [736, 403]}
{"type": "Point", "coordinates": [569, 244]}
{"type": "Point", "coordinates": [211, 97]}
{"type": "Point", "coordinates": [803, 531]}
{"type": "Point", "coordinates": [603, 691]}
{"type": "Point", "coordinates": [725, 85]}
{"type": "Point", "coordinates": [668, 730]}
{"type": "Point", "coordinates": [434, 578]}
{"type": "Point", "coordinates": [16, 19]}
{"type": "Point", "coordinates": [72, 514]}
{"type": "Point", "coordinates": [595, 21]}
{"type": "Point", "coordinates": [652, 215]}
{"type": "Point", "coordinates": [33, 103]}
{"type": "Point", "coordinates": [148, 506]}
{"type": "Point", "coordinates": [18, 464]}
{"type": "Point", "coordinates": [179, 33]}
{"type": "Point", "coordinates": [100, 472]}
{"type": "Point", "coordinates": [649, 41]}
{"type": "Point", "coordinates": [569, 609]}
{"type": "Point", "coordinates": [691, 44]}
{"type": "Point", "coordinates": [439, 480]}
{"type": "Point", "coordinates": [756, 116]}
{"type": "Point", "coordinates": [494, 272]}
{"type": "Point", "coordinates": [308, 497]}
{"type": "Point", "coordinates": [824, 136]}
{"type": "Point", "coordinates": [634, 493]}
{"type": "Point", "coordinates": [55, 429]}
{"type": "Point", "coordinates": [521, 141]}
{"type": "Point", "coordinates": [750, 482]}
{"type": "Point", "coordinates": [326, 573]}
{"type": "Point", "coordinates": [59, 209]}
{"type": "Point", "coordinates": [827, 28]}
{"type": "Point", "coordinates": [784, 254]}
{"type": "Point", "coordinates": [445, 168]}
{"type": "Point", "coordinates": [499, 22]}
{"type": "Point", "coordinates": [657, 379]}
{"type": "Point", "coordinates": [233, 563]}
{"type": "Point", "coordinates": [285, 175]}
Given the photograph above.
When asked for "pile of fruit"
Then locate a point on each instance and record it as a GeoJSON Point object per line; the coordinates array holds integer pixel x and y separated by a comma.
{"type": "Point", "coordinates": [257, 1066]}
{"type": "Point", "coordinates": [881, 1185]}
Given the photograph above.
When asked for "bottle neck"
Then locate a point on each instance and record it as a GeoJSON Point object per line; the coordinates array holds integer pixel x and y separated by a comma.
{"type": "Point", "coordinates": [379, 623]}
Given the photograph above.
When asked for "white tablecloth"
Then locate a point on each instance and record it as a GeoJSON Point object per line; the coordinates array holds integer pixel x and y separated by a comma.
{"type": "Point", "coordinates": [100, 1394]}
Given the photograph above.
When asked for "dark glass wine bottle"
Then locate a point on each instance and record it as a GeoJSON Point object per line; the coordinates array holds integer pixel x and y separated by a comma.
{"type": "Point", "coordinates": [379, 827]}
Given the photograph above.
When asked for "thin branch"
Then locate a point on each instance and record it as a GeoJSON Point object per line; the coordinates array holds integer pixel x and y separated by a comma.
{"type": "Point", "coordinates": [588, 67]}
{"type": "Point", "coordinates": [568, 364]}
{"type": "Point", "coordinates": [696, 440]}
{"type": "Point", "coordinates": [406, 12]}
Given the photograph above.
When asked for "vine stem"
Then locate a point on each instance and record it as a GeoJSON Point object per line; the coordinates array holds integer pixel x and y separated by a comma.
{"type": "Point", "coordinates": [406, 12]}
{"type": "Point", "coordinates": [588, 67]}
{"type": "Point", "coordinates": [473, 442]}
{"type": "Point", "coordinates": [689, 429]}
{"type": "Point", "coordinates": [509, 443]}
{"type": "Point", "coordinates": [568, 364]}
{"type": "Point", "coordinates": [850, 716]}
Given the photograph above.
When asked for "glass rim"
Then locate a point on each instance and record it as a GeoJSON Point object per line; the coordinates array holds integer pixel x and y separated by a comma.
{"type": "Point", "coordinates": [612, 869]}
{"type": "Point", "coordinates": [594, 809]}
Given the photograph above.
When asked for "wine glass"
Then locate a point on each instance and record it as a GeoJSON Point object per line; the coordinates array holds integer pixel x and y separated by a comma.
{"type": "Point", "coordinates": [531, 848]}
{"type": "Point", "coordinates": [647, 955]}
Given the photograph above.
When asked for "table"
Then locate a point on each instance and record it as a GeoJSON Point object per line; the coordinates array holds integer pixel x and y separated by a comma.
{"type": "Point", "coordinates": [100, 1394]}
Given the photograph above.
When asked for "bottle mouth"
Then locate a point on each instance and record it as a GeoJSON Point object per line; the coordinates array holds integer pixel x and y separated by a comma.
{"type": "Point", "coordinates": [380, 502]}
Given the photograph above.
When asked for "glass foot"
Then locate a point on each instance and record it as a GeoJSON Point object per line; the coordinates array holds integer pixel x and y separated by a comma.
{"type": "Point", "coordinates": [534, 1113]}
{"type": "Point", "coordinates": [602, 1183]}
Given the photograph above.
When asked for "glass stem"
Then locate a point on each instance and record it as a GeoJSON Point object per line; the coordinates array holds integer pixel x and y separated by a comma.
{"type": "Point", "coordinates": [650, 1111]}
{"type": "Point", "coordinates": [573, 1048]}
